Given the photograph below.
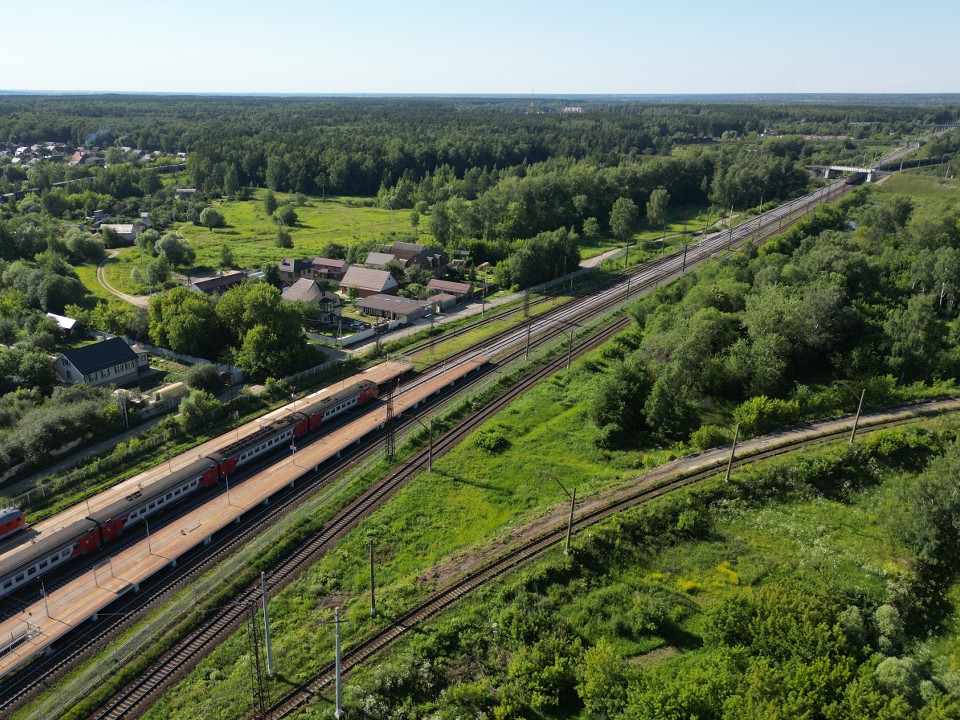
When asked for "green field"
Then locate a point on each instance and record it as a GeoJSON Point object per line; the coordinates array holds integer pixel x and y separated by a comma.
{"type": "Point", "coordinates": [251, 233]}
{"type": "Point", "coordinates": [917, 185]}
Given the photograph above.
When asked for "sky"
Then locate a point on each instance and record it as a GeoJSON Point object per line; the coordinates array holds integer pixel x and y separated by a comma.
{"type": "Point", "coordinates": [542, 47]}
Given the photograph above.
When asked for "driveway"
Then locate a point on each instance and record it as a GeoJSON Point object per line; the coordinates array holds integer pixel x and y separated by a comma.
{"type": "Point", "coordinates": [138, 300]}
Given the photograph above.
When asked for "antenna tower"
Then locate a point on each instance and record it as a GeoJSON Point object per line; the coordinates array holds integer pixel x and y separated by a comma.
{"type": "Point", "coordinates": [261, 693]}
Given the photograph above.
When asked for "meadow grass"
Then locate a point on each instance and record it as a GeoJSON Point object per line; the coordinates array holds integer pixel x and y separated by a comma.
{"type": "Point", "coordinates": [920, 186]}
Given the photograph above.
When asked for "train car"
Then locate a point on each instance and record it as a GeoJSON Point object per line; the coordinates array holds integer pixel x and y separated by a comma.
{"type": "Point", "coordinates": [48, 553]}
{"type": "Point", "coordinates": [266, 439]}
{"type": "Point", "coordinates": [11, 521]}
{"type": "Point", "coordinates": [356, 395]}
{"type": "Point", "coordinates": [141, 504]}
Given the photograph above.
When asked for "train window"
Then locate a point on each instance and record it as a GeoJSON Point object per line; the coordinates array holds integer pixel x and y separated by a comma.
{"type": "Point", "coordinates": [151, 506]}
{"type": "Point", "coordinates": [31, 571]}
{"type": "Point", "coordinates": [169, 495]}
{"type": "Point", "coordinates": [7, 584]}
{"type": "Point", "coordinates": [43, 564]}
{"type": "Point", "coordinates": [19, 577]}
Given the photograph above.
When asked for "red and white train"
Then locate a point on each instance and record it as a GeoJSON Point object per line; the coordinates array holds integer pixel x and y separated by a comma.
{"type": "Point", "coordinates": [52, 550]}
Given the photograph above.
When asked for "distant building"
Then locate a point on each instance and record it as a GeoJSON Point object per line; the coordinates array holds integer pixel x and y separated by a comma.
{"type": "Point", "coordinates": [66, 324]}
{"type": "Point", "coordinates": [415, 254]}
{"type": "Point", "coordinates": [185, 193]}
{"type": "Point", "coordinates": [219, 284]}
{"type": "Point", "coordinates": [126, 232]}
{"type": "Point", "coordinates": [109, 361]}
{"type": "Point", "coordinates": [369, 282]}
{"type": "Point", "coordinates": [309, 291]}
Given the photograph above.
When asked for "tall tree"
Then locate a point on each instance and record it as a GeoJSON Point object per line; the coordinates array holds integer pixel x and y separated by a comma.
{"type": "Point", "coordinates": [622, 216]}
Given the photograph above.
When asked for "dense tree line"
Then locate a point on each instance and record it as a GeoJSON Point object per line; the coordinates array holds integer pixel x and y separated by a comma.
{"type": "Point", "coordinates": [874, 307]}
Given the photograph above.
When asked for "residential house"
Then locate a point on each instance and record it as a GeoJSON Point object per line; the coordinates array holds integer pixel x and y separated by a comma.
{"type": "Point", "coordinates": [369, 282]}
{"type": "Point", "coordinates": [66, 324]}
{"type": "Point", "coordinates": [329, 268]}
{"type": "Point", "coordinates": [442, 301]}
{"type": "Point", "coordinates": [109, 361]}
{"type": "Point", "coordinates": [392, 308]}
{"type": "Point", "coordinates": [219, 284]}
{"type": "Point", "coordinates": [415, 254]}
{"type": "Point", "coordinates": [185, 193]}
{"type": "Point", "coordinates": [378, 260]}
{"type": "Point", "coordinates": [462, 291]}
{"type": "Point", "coordinates": [309, 291]}
{"type": "Point", "coordinates": [292, 270]}
{"type": "Point", "coordinates": [126, 232]}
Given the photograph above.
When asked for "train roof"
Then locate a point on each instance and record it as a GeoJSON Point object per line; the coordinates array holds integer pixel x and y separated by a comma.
{"type": "Point", "coordinates": [145, 494]}
{"type": "Point", "coordinates": [9, 512]}
{"type": "Point", "coordinates": [45, 545]}
{"type": "Point", "coordinates": [315, 407]}
{"type": "Point", "coordinates": [238, 446]}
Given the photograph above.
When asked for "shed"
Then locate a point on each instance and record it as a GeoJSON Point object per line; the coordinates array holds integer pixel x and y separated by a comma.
{"type": "Point", "coordinates": [109, 361]}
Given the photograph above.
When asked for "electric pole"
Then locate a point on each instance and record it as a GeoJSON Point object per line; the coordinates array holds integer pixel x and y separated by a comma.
{"type": "Point", "coordinates": [856, 419]}
{"type": "Point", "coordinates": [266, 623]}
{"type": "Point", "coordinates": [733, 450]}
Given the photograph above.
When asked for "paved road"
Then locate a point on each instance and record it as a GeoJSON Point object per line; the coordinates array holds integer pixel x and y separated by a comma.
{"type": "Point", "coordinates": [137, 300]}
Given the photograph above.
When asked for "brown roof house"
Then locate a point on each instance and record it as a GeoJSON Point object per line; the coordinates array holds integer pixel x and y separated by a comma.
{"type": "Point", "coordinates": [393, 308]}
{"type": "Point", "coordinates": [432, 259]}
{"type": "Point", "coordinates": [219, 284]}
{"type": "Point", "coordinates": [309, 291]}
{"type": "Point", "coordinates": [329, 268]}
{"type": "Point", "coordinates": [369, 282]}
{"type": "Point", "coordinates": [462, 291]}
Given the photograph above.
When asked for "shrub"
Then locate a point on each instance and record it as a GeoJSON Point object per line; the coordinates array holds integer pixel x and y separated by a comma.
{"type": "Point", "coordinates": [491, 439]}
{"type": "Point", "coordinates": [211, 218]}
{"type": "Point", "coordinates": [710, 436]}
{"type": "Point", "coordinates": [760, 414]}
{"type": "Point", "coordinates": [203, 377]}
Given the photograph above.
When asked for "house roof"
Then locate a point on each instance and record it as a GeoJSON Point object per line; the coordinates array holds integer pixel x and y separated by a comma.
{"type": "Point", "coordinates": [367, 279]}
{"type": "Point", "coordinates": [443, 297]}
{"type": "Point", "coordinates": [379, 258]}
{"type": "Point", "coordinates": [390, 303]}
{"type": "Point", "coordinates": [64, 322]}
{"type": "Point", "coordinates": [219, 282]}
{"type": "Point", "coordinates": [449, 286]}
{"type": "Point", "coordinates": [406, 250]}
{"type": "Point", "coordinates": [291, 265]}
{"type": "Point", "coordinates": [119, 228]}
{"type": "Point", "coordinates": [303, 290]}
{"type": "Point", "coordinates": [91, 358]}
{"type": "Point", "coordinates": [330, 263]}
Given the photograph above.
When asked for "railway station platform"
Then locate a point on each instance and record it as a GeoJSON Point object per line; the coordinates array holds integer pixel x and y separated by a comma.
{"type": "Point", "coordinates": [381, 374]}
{"type": "Point", "coordinates": [37, 627]}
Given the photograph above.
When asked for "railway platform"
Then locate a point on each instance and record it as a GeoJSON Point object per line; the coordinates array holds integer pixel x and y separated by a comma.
{"type": "Point", "coordinates": [39, 626]}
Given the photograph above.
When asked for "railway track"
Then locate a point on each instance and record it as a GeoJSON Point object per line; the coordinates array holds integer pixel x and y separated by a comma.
{"type": "Point", "coordinates": [637, 279]}
{"type": "Point", "coordinates": [653, 487]}
{"type": "Point", "coordinates": [176, 663]}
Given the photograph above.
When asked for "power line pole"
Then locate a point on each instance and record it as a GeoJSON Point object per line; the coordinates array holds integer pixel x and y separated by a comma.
{"type": "Point", "coordinates": [733, 450]}
{"type": "Point", "coordinates": [338, 712]}
{"type": "Point", "coordinates": [573, 502]}
{"type": "Point", "coordinates": [526, 355]}
{"type": "Point", "coordinates": [373, 597]}
{"type": "Point", "coordinates": [570, 349]}
{"type": "Point", "coordinates": [261, 699]}
{"type": "Point", "coordinates": [390, 441]}
{"type": "Point", "coordinates": [526, 303]}
{"type": "Point", "coordinates": [266, 623]}
{"type": "Point", "coordinates": [856, 419]}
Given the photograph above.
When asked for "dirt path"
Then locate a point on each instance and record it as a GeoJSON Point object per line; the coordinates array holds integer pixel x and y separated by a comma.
{"type": "Point", "coordinates": [137, 300]}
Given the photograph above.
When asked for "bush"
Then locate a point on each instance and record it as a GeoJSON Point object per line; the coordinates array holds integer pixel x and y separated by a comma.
{"type": "Point", "coordinates": [710, 436]}
{"type": "Point", "coordinates": [491, 439]}
{"type": "Point", "coordinates": [760, 414]}
{"type": "Point", "coordinates": [287, 216]}
{"type": "Point", "coordinates": [284, 240]}
{"type": "Point", "coordinates": [199, 409]}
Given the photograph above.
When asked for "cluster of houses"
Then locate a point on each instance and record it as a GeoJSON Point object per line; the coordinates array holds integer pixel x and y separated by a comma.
{"type": "Point", "coordinates": [27, 156]}
{"type": "Point", "coordinates": [377, 289]}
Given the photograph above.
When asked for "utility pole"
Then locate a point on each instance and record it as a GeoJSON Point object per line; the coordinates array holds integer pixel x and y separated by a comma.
{"type": "Point", "coordinates": [856, 419]}
{"type": "Point", "coordinates": [43, 591]}
{"type": "Point", "coordinates": [149, 546]}
{"type": "Point", "coordinates": [573, 502]}
{"type": "Point", "coordinates": [266, 623]}
{"type": "Point", "coordinates": [684, 268]}
{"type": "Point", "coordinates": [570, 348]}
{"type": "Point", "coordinates": [527, 354]}
{"type": "Point", "coordinates": [526, 303]}
{"type": "Point", "coordinates": [390, 441]}
{"type": "Point", "coordinates": [338, 712]}
{"type": "Point", "coordinates": [373, 597]}
{"type": "Point", "coordinates": [260, 690]}
{"type": "Point", "coordinates": [733, 450]}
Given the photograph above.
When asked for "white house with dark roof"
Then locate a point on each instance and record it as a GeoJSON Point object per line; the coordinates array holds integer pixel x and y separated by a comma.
{"type": "Point", "coordinates": [109, 361]}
